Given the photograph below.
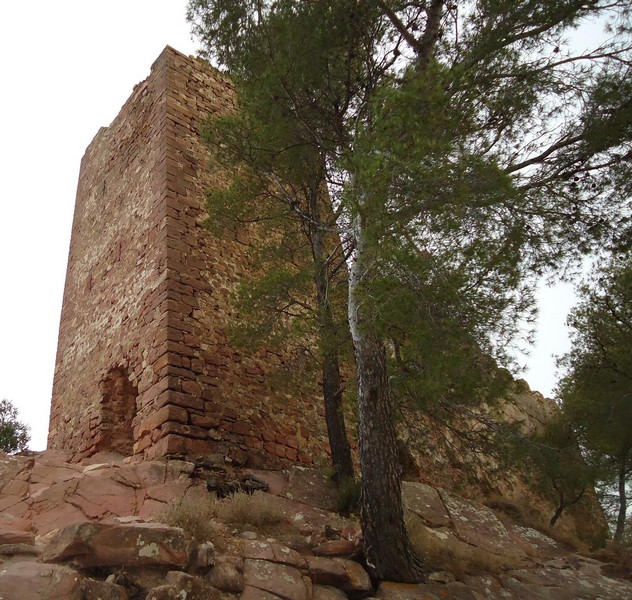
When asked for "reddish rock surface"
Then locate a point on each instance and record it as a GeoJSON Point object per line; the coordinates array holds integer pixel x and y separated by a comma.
{"type": "Point", "coordinates": [87, 520]}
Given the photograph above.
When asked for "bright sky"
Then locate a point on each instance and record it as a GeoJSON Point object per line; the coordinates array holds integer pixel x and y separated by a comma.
{"type": "Point", "coordinates": [67, 68]}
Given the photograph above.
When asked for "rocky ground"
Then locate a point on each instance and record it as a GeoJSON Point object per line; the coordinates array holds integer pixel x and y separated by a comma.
{"type": "Point", "coordinates": [91, 531]}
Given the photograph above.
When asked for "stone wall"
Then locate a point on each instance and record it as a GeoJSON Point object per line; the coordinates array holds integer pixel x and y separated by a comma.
{"type": "Point", "coordinates": [143, 361]}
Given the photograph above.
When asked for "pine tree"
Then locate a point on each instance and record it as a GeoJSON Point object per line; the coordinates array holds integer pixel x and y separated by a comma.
{"type": "Point", "coordinates": [468, 152]}
{"type": "Point", "coordinates": [597, 389]}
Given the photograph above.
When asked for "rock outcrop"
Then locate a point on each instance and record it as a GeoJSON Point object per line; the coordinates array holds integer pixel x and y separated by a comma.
{"type": "Point", "coordinates": [90, 531]}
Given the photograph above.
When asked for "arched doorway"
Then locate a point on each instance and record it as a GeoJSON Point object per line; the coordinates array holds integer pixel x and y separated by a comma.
{"type": "Point", "coordinates": [118, 408]}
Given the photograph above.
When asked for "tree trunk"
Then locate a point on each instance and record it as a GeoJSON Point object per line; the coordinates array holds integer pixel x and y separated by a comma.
{"type": "Point", "coordinates": [557, 514]}
{"type": "Point", "coordinates": [334, 417]}
{"type": "Point", "coordinates": [332, 383]}
{"type": "Point", "coordinates": [618, 534]}
{"type": "Point", "coordinates": [386, 544]}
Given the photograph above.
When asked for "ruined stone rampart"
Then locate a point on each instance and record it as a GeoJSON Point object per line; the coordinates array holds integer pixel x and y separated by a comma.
{"type": "Point", "coordinates": [143, 362]}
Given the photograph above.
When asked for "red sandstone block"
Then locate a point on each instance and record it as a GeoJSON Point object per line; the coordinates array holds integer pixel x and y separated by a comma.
{"type": "Point", "coordinates": [292, 442]}
{"type": "Point", "coordinates": [204, 421]}
{"type": "Point", "coordinates": [280, 451]}
{"type": "Point", "coordinates": [291, 453]}
{"type": "Point", "coordinates": [305, 458]}
{"type": "Point", "coordinates": [178, 399]}
{"type": "Point", "coordinates": [211, 358]}
{"type": "Point", "coordinates": [163, 384]}
{"type": "Point", "coordinates": [270, 447]}
{"type": "Point", "coordinates": [179, 348]}
{"type": "Point", "coordinates": [241, 428]}
{"type": "Point", "coordinates": [175, 370]}
{"type": "Point", "coordinates": [280, 439]}
{"type": "Point", "coordinates": [195, 282]}
{"type": "Point", "coordinates": [268, 436]}
{"type": "Point", "coordinates": [191, 301]}
{"type": "Point", "coordinates": [175, 307]}
{"type": "Point", "coordinates": [177, 322]}
{"type": "Point", "coordinates": [142, 444]}
{"type": "Point", "coordinates": [197, 366]}
{"type": "Point", "coordinates": [184, 430]}
{"type": "Point", "coordinates": [229, 413]}
{"type": "Point", "coordinates": [162, 362]}
{"type": "Point", "coordinates": [166, 413]}
{"type": "Point", "coordinates": [192, 387]}
{"type": "Point", "coordinates": [171, 444]}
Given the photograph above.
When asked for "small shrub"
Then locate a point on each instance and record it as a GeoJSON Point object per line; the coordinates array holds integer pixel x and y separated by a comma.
{"type": "Point", "coordinates": [194, 516]}
{"type": "Point", "coordinates": [256, 509]}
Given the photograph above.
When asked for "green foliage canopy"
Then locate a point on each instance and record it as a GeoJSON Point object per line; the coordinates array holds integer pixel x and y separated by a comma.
{"type": "Point", "coordinates": [14, 435]}
{"type": "Point", "coordinates": [597, 389]}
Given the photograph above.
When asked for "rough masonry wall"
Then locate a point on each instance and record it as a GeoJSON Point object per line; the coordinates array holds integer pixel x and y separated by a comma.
{"type": "Point", "coordinates": [116, 272]}
{"type": "Point", "coordinates": [147, 298]}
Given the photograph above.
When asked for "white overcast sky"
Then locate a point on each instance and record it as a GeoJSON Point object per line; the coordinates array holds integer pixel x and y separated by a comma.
{"type": "Point", "coordinates": [67, 68]}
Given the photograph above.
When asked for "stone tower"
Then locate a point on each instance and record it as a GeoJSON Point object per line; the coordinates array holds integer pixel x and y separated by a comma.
{"type": "Point", "coordinates": [143, 362]}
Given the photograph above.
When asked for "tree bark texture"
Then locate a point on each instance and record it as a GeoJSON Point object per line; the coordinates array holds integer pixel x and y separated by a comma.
{"type": "Point", "coordinates": [618, 534]}
{"type": "Point", "coordinates": [387, 548]}
{"type": "Point", "coordinates": [332, 383]}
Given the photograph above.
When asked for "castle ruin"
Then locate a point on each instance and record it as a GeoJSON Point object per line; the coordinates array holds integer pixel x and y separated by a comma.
{"type": "Point", "coordinates": [144, 366]}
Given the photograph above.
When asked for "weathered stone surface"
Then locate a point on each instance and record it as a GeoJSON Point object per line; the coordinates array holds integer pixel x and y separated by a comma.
{"type": "Point", "coordinates": [432, 591]}
{"type": "Point", "coordinates": [187, 586]}
{"type": "Point", "coordinates": [336, 548]}
{"type": "Point", "coordinates": [35, 581]}
{"type": "Point", "coordinates": [278, 579]}
{"type": "Point", "coordinates": [101, 590]}
{"type": "Point", "coordinates": [478, 525]}
{"type": "Point", "coordinates": [425, 502]}
{"type": "Point", "coordinates": [339, 572]}
{"type": "Point", "coordinates": [533, 542]}
{"type": "Point", "coordinates": [326, 592]}
{"type": "Point", "coordinates": [12, 536]}
{"type": "Point", "coordinates": [15, 549]}
{"type": "Point", "coordinates": [388, 590]}
{"type": "Point", "coordinates": [98, 544]}
{"type": "Point", "coordinates": [273, 552]}
{"type": "Point", "coordinates": [203, 557]}
{"type": "Point", "coordinates": [311, 486]}
{"type": "Point", "coordinates": [226, 577]}
{"type": "Point", "coordinates": [253, 593]}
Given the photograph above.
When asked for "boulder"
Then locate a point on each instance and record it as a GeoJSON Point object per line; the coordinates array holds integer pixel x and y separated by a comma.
{"type": "Point", "coordinates": [273, 552]}
{"type": "Point", "coordinates": [92, 589]}
{"type": "Point", "coordinates": [336, 548]}
{"type": "Point", "coordinates": [342, 573]}
{"type": "Point", "coordinates": [477, 524]}
{"type": "Point", "coordinates": [426, 503]}
{"type": "Point", "coordinates": [100, 545]}
{"type": "Point", "coordinates": [227, 578]}
{"type": "Point", "coordinates": [326, 592]}
{"type": "Point", "coordinates": [12, 536]}
{"type": "Point", "coordinates": [187, 586]}
{"type": "Point", "coordinates": [389, 590]}
{"type": "Point", "coordinates": [278, 579]}
{"type": "Point", "coordinates": [35, 581]}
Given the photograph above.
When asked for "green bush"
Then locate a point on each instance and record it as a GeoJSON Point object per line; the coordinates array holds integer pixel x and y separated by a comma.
{"type": "Point", "coordinates": [14, 435]}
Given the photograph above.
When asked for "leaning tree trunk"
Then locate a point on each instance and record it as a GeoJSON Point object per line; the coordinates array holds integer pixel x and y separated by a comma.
{"type": "Point", "coordinates": [332, 382]}
{"type": "Point", "coordinates": [618, 534]}
{"type": "Point", "coordinates": [386, 544]}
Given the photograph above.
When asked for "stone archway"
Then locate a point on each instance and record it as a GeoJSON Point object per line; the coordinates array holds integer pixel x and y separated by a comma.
{"type": "Point", "coordinates": [117, 411]}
